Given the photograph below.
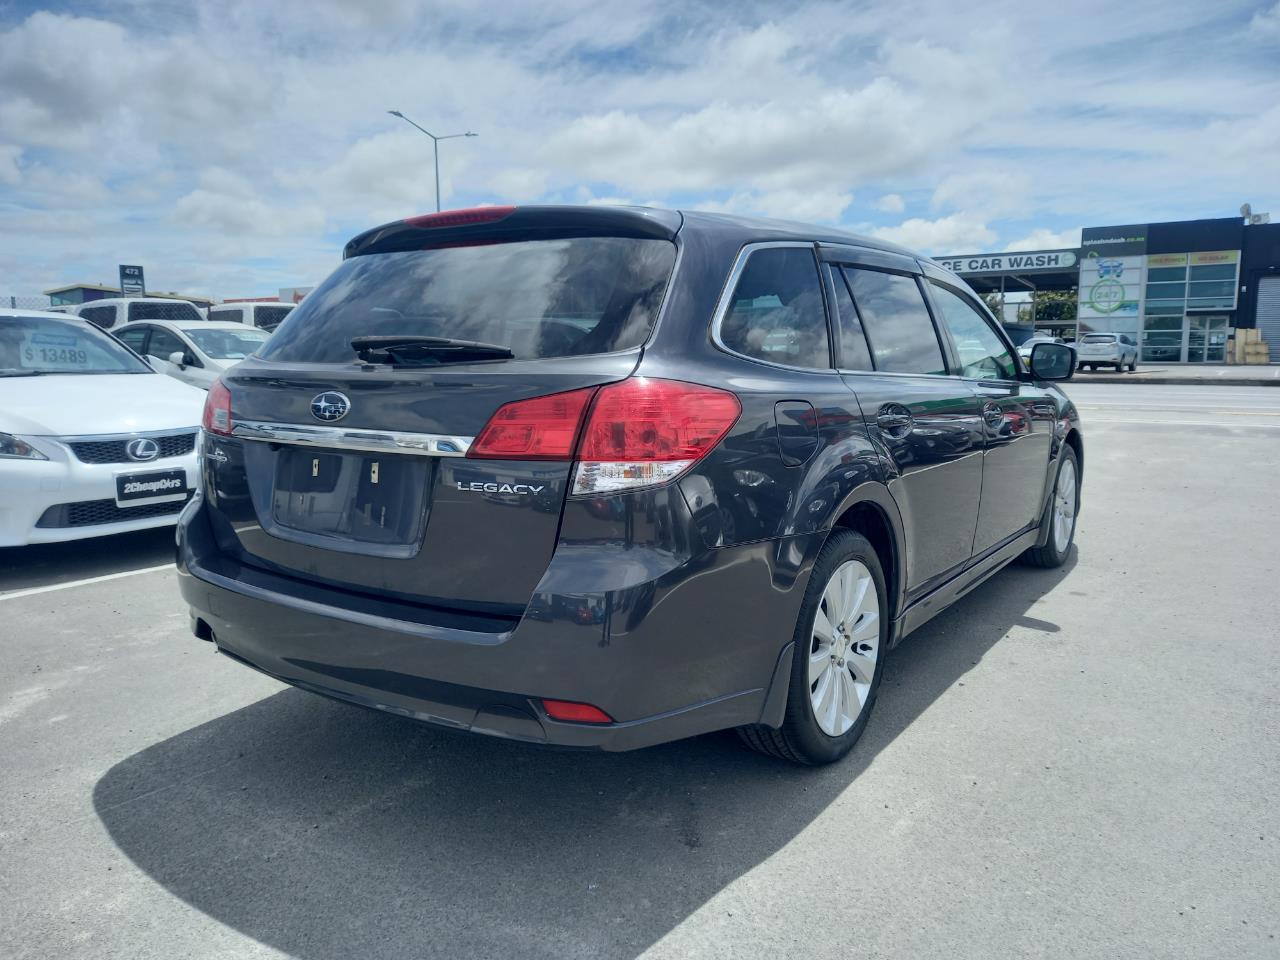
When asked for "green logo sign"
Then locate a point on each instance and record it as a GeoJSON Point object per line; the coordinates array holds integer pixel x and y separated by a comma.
{"type": "Point", "coordinates": [1106, 295]}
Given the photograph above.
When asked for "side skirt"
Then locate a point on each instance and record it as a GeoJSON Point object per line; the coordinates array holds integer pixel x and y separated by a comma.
{"type": "Point", "coordinates": [984, 567]}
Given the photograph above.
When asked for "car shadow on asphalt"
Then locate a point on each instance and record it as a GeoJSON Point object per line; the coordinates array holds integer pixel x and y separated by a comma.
{"type": "Point", "coordinates": [45, 564]}
{"type": "Point", "coordinates": [328, 832]}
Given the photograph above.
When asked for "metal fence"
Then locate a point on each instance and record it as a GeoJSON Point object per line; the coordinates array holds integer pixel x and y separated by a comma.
{"type": "Point", "coordinates": [24, 303]}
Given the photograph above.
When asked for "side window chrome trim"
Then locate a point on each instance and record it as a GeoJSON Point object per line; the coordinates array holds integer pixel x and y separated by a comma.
{"type": "Point", "coordinates": [731, 284]}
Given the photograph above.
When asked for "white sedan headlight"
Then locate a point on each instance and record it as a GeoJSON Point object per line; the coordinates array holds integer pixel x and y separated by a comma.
{"type": "Point", "coordinates": [15, 448]}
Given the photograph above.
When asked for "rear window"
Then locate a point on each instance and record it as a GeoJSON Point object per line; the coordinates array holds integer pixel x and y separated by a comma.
{"type": "Point", "coordinates": [1099, 338]}
{"type": "Point", "coordinates": [177, 310]}
{"type": "Point", "coordinates": [542, 298]}
{"type": "Point", "coordinates": [271, 316]}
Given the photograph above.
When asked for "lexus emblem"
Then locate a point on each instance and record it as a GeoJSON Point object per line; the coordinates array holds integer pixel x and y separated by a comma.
{"type": "Point", "coordinates": [142, 449]}
{"type": "Point", "coordinates": [330, 406]}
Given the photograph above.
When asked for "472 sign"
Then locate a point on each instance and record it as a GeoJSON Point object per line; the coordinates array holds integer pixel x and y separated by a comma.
{"type": "Point", "coordinates": [132, 283]}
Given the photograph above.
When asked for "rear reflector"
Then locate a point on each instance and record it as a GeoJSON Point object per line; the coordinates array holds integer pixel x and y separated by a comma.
{"type": "Point", "coordinates": [542, 428]}
{"type": "Point", "coordinates": [460, 218]}
{"type": "Point", "coordinates": [217, 409]}
{"type": "Point", "coordinates": [575, 712]}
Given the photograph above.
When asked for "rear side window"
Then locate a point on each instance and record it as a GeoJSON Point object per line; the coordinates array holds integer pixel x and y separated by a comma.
{"type": "Point", "coordinates": [228, 314]}
{"type": "Point", "coordinates": [776, 312]}
{"type": "Point", "coordinates": [854, 352]}
{"type": "Point", "coordinates": [983, 355]}
{"type": "Point", "coordinates": [539, 298]}
{"type": "Point", "coordinates": [178, 310]}
{"type": "Point", "coordinates": [102, 316]}
{"type": "Point", "coordinates": [270, 316]}
{"type": "Point", "coordinates": [896, 322]}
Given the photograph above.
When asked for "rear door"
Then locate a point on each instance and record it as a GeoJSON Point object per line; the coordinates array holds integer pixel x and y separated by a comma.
{"type": "Point", "coordinates": [352, 472]}
{"type": "Point", "coordinates": [926, 422]}
{"type": "Point", "coordinates": [1017, 418]}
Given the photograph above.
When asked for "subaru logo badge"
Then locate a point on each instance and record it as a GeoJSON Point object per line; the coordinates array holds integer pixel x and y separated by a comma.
{"type": "Point", "coordinates": [142, 449]}
{"type": "Point", "coordinates": [330, 406]}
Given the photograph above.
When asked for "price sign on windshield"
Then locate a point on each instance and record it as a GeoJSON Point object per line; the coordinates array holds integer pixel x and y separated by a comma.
{"type": "Point", "coordinates": [55, 351]}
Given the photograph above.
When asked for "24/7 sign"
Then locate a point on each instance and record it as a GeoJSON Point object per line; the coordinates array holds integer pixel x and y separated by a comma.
{"type": "Point", "coordinates": [132, 283]}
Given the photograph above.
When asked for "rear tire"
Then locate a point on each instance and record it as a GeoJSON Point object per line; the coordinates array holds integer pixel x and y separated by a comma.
{"type": "Point", "coordinates": [1133, 365]}
{"type": "Point", "coordinates": [840, 641]}
{"type": "Point", "coordinates": [1065, 499]}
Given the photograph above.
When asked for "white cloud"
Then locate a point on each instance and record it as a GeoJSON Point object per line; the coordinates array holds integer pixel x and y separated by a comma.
{"type": "Point", "coordinates": [819, 206]}
{"type": "Point", "coordinates": [1266, 22]}
{"type": "Point", "coordinates": [233, 144]}
{"type": "Point", "coordinates": [10, 172]}
{"type": "Point", "coordinates": [957, 233]}
{"type": "Point", "coordinates": [1042, 239]}
{"type": "Point", "coordinates": [996, 192]}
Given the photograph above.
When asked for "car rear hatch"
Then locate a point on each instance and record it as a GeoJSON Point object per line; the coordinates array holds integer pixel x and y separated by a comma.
{"type": "Point", "coordinates": [347, 464]}
{"type": "Point", "coordinates": [1103, 344]}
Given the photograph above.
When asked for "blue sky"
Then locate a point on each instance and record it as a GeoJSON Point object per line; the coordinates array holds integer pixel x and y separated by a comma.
{"type": "Point", "coordinates": [232, 147]}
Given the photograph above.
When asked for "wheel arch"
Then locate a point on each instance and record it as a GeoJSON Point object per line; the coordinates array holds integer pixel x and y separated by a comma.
{"type": "Point", "coordinates": [870, 510]}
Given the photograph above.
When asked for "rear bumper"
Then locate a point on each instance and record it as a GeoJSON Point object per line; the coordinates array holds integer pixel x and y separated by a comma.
{"type": "Point", "coordinates": [685, 650]}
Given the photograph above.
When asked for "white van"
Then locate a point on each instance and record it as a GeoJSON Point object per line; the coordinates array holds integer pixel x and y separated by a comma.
{"type": "Point", "coordinates": [266, 314]}
{"type": "Point", "coordinates": [118, 310]}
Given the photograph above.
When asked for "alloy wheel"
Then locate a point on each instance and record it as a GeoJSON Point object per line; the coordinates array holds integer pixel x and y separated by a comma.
{"type": "Point", "coordinates": [1064, 506]}
{"type": "Point", "coordinates": [844, 645]}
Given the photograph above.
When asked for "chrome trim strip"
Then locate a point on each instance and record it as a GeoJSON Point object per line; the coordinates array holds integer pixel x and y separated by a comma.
{"type": "Point", "coordinates": [340, 438]}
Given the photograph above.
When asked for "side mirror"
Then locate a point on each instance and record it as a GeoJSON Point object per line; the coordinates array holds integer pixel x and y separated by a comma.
{"type": "Point", "coordinates": [179, 359]}
{"type": "Point", "coordinates": [1053, 361]}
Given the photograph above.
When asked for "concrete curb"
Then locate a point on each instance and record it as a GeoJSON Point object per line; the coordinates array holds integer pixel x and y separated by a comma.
{"type": "Point", "coordinates": [1184, 381]}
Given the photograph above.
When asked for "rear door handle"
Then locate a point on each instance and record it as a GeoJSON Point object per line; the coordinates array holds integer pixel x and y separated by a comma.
{"type": "Point", "coordinates": [895, 420]}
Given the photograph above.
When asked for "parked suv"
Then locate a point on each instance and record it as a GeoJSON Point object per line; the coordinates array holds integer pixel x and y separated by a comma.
{"type": "Point", "coordinates": [1108, 349]}
{"type": "Point", "coordinates": [266, 314]}
{"type": "Point", "coordinates": [109, 312]}
{"type": "Point", "coordinates": [607, 477]}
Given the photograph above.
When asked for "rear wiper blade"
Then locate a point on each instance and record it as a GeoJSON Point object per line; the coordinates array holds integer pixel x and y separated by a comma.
{"type": "Point", "coordinates": [391, 349]}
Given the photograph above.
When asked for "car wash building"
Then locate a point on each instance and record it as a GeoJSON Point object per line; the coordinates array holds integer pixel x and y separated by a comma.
{"type": "Point", "coordinates": [1179, 290]}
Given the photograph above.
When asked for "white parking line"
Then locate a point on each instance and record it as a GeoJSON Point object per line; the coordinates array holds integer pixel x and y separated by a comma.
{"type": "Point", "coordinates": [32, 591]}
{"type": "Point", "coordinates": [1186, 423]}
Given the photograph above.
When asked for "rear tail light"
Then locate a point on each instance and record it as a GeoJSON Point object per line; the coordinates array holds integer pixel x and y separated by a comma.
{"type": "Point", "coordinates": [543, 428]}
{"type": "Point", "coordinates": [571, 712]}
{"type": "Point", "coordinates": [642, 432]}
{"type": "Point", "coordinates": [638, 433]}
{"type": "Point", "coordinates": [217, 409]}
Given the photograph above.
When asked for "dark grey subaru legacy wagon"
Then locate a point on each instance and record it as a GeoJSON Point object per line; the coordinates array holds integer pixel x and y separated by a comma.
{"type": "Point", "coordinates": [607, 477]}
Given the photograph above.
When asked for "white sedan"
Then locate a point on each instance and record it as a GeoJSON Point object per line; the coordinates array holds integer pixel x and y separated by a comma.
{"type": "Point", "coordinates": [193, 351]}
{"type": "Point", "coordinates": [92, 440]}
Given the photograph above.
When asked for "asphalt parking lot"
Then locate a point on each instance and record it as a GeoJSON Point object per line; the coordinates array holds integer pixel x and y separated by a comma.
{"type": "Point", "coordinates": [1072, 763]}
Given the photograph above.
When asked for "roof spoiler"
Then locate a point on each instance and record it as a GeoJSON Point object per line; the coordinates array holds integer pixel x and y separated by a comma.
{"type": "Point", "coordinates": [481, 225]}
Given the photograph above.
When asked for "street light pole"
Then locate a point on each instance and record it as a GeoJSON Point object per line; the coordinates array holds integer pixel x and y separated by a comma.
{"type": "Point", "coordinates": [435, 146]}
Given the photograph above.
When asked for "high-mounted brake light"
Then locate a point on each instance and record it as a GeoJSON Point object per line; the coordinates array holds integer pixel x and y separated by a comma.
{"type": "Point", "coordinates": [642, 432]}
{"type": "Point", "coordinates": [542, 428]}
{"type": "Point", "coordinates": [572, 712]}
{"type": "Point", "coordinates": [460, 218]}
{"type": "Point", "coordinates": [217, 409]}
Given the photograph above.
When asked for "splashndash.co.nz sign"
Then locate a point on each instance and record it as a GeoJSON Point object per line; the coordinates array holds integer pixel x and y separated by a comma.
{"type": "Point", "coordinates": [1035, 261]}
